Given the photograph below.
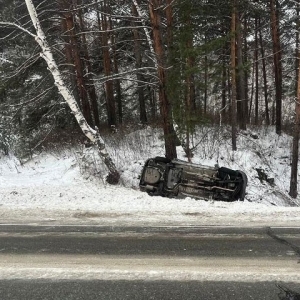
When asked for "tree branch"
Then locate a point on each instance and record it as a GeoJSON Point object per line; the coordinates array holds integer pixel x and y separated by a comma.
{"type": "Point", "coordinates": [19, 27]}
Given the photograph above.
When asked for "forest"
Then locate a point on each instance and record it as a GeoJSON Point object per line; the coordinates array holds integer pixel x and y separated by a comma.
{"type": "Point", "coordinates": [107, 65]}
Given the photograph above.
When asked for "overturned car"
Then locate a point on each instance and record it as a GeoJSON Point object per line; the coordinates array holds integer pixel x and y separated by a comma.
{"type": "Point", "coordinates": [171, 178]}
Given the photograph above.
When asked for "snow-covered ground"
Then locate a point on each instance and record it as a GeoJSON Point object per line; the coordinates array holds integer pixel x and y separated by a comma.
{"type": "Point", "coordinates": [67, 186]}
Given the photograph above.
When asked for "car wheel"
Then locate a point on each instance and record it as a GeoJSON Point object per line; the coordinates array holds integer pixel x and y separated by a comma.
{"type": "Point", "coordinates": [162, 159]}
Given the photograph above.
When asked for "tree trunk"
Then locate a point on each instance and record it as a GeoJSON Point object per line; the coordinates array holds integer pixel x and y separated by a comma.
{"type": "Point", "coordinates": [190, 88]}
{"type": "Point", "coordinates": [91, 134]}
{"type": "Point", "coordinates": [138, 65]}
{"type": "Point", "coordinates": [165, 106]}
{"type": "Point", "coordinates": [296, 133]}
{"type": "Point", "coordinates": [295, 154]}
{"type": "Point", "coordinates": [89, 77]}
{"type": "Point", "coordinates": [224, 85]}
{"type": "Point", "coordinates": [205, 84]}
{"type": "Point", "coordinates": [256, 72]}
{"type": "Point", "coordinates": [277, 62]}
{"type": "Point", "coordinates": [153, 104]}
{"type": "Point", "coordinates": [246, 72]}
{"type": "Point", "coordinates": [117, 84]}
{"type": "Point", "coordinates": [241, 86]}
{"type": "Point", "coordinates": [110, 99]}
{"type": "Point", "coordinates": [297, 45]}
{"type": "Point", "coordinates": [262, 52]}
{"type": "Point", "coordinates": [69, 59]}
{"type": "Point", "coordinates": [252, 89]}
{"type": "Point", "coordinates": [233, 77]}
{"type": "Point", "coordinates": [169, 17]}
{"type": "Point", "coordinates": [189, 100]}
{"type": "Point", "coordinates": [79, 69]}
{"type": "Point", "coordinates": [117, 81]}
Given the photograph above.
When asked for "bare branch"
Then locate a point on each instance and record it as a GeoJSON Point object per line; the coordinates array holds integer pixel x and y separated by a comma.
{"type": "Point", "coordinates": [92, 134]}
{"type": "Point", "coordinates": [147, 33]}
{"type": "Point", "coordinates": [17, 26]}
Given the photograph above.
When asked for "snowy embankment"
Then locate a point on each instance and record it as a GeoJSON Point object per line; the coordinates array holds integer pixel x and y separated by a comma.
{"type": "Point", "coordinates": [67, 186]}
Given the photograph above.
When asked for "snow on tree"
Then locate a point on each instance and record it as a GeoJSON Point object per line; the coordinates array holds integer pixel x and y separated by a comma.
{"type": "Point", "coordinates": [92, 134]}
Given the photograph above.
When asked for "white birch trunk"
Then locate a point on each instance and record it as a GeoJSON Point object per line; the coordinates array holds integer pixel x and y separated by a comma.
{"type": "Point", "coordinates": [147, 33]}
{"type": "Point", "coordinates": [90, 133]}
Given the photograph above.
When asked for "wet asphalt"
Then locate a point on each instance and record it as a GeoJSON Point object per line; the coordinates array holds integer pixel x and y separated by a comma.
{"type": "Point", "coordinates": [156, 241]}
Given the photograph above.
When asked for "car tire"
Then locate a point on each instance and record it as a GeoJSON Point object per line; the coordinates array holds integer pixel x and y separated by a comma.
{"type": "Point", "coordinates": [162, 159]}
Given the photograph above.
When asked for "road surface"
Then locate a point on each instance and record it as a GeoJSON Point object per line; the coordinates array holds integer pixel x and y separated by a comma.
{"type": "Point", "coordinates": [98, 262]}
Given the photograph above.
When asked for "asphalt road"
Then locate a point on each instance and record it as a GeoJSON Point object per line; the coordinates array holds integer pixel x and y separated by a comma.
{"type": "Point", "coordinates": [172, 241]}
{"type": "Point", "coordinates": [145, 290]}
{"type": "Point", "coordinates": [95, 262]}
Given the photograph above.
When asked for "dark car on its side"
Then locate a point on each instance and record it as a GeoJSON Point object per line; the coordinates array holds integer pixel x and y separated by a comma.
{"type": "Point", "coordinates": [172, 178]}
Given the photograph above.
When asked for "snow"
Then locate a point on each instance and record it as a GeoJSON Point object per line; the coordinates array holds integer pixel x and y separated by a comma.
{"type": "Point", "coordinates": [68, 186]}
{"type": "Point", "coordinates": [202, 274]}
{"type": "Point", "coordinates": [147, 267]}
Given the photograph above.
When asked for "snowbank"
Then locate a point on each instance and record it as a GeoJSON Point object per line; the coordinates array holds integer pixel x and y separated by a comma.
{"type": "Point", "coordinates": [55, 188]}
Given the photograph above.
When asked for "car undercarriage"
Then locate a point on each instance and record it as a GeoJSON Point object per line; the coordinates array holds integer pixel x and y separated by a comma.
{"type": "Point", "coordinates": [176, 178]}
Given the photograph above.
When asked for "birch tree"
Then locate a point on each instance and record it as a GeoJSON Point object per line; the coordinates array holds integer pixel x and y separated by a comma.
{"type": "Point", "coordinates": [92, 134]}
